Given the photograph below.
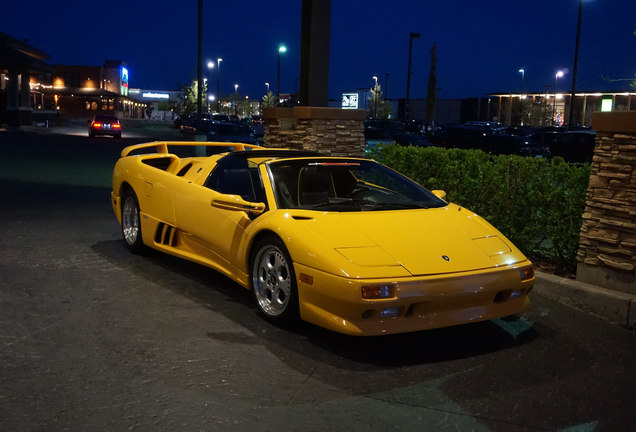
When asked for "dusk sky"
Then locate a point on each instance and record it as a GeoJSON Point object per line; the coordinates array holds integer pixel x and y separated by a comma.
{"type": "Point", "coordinates": [481, 45]}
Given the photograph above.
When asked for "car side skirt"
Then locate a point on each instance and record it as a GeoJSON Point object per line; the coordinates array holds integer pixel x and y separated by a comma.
{"type": "Point", "coordinates": [171, 240]}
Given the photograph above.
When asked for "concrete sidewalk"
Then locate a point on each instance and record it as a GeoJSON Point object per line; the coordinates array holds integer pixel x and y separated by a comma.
{"type": "Point", "coordinates": [614, 306]}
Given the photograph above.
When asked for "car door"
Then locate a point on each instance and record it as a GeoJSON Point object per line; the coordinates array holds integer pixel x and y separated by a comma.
{"type": "Point", "coordinates": [218, 230]}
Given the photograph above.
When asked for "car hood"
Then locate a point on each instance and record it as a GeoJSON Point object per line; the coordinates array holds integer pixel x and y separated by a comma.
{"type": "Point", "coordinates": [423, 242]}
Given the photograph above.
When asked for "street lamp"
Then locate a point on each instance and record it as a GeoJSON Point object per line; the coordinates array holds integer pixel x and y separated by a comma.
{"type": "Point", "coordinates": [218, 79]}
{"type": "Point", "coordinates": [210, 67]}
{"type": "Point", "coordinates": [267, 85]}
{"type": "Point", "coordinates": [408, 76]}
{"type": "Point", "coordinates": [281, 49]}
{"type": "Point", "coordinates": [235, 88]}
{"type": "Point", "coordinates": [375, 97]}
{"type": "Point", "coordinates": [558, 75]}
{"type": "Point", "coordinates": [523, 75]}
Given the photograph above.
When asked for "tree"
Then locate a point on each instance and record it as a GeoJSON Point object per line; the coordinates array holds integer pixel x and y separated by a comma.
{"type": "Point", "coordinates": [269, 100]}
{"type": "Point", "coordinates": [431, 90]}
{"type": "Point", "coordinates": [539, 113]}
{"type": "Point", "coordinates": [190, 96]}
{"type": "Point", "coordinates": [379, 107]}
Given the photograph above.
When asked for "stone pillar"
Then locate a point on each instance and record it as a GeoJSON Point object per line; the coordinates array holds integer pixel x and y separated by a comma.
{"type": "Point", "coordinates": [607, 250]}
{"type": "Point", "coordinates": [331, 131]}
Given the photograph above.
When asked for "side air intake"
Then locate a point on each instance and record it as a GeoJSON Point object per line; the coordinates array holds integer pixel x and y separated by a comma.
{"type": "Point", "coordinates": [166, 235]}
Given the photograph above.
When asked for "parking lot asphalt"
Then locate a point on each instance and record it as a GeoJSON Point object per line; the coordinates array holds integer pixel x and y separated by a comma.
{"type": "Point", "coordinates": [94, 338]}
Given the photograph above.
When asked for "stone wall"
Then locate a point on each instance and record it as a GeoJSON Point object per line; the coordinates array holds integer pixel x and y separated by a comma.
{"type": "Point", "coordinates": [607, 251]}
{"type": "Point", "coordinates": [331, 131]}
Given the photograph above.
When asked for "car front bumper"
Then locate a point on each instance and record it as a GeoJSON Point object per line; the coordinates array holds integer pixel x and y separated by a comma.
{"type": "Point", "coordinates": [417, 303]}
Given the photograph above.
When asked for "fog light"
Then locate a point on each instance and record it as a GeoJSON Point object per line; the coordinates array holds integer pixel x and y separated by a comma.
{"type": "Point", "coordinates": [367, 314]}
{"type": "Point", "coordinates": [390, 312]}
{"type": "Point", "coordinates": [376, 292]}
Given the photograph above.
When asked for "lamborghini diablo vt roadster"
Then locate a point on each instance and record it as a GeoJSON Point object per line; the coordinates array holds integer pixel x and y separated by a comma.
{"type": "Point", "coordinates": [344, 243]}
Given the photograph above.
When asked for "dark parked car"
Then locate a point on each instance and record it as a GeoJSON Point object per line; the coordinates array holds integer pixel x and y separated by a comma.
{"type": "Point", "coordinates": [104, 125]}
{"type": "Point", "coordinates": [225, 132]}
{"type": "Point", "coordinates": [491, 138]}
{"type": "Point", "coordinates": [573, 146]}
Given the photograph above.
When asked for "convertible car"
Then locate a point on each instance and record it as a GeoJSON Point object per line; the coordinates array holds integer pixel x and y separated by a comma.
{"type": "Point", "coordinates": [344, 243]}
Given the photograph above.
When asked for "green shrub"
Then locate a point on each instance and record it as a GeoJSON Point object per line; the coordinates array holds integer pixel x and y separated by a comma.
{"type": "Point", "coordinates": [537, 203]}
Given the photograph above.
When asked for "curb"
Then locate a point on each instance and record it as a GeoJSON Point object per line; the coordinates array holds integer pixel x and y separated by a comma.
{"type": "Point", "coordinates": [614, 306]}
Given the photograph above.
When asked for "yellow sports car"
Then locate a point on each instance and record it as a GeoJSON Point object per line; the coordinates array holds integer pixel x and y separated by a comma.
{"type": "Point", "coordinates": [344, 243]}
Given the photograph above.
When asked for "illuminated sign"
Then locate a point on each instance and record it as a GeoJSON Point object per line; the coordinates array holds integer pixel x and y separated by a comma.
{"type": "Point", "coordinates": [350, 101]}
{"type": "Point", "coordinates": [155, 95]}
{"type": "Point", "coordinates": [606, 105]}
{"type": "Point", "coordinates": [124, 81]}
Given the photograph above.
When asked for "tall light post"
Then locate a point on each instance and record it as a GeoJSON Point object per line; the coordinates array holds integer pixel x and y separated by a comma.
{"type": "Point", "coordinates": [558, 75]}
{"type": "Point", "coordinates": [281, 49]}
{"type": "Point", "coordinates": [267, 86]}
{"type": "Point", "coordinates": [521, 98]}
{"type": "Point", "coordinates": [218, 80]}
{"type": "Point", "coordinates": [408, 76]}
{"type": "Point", "coordinates": [235, 101]}
{"type": "Point", "coordinates": [576, 63]}
{"type": "Point", "coordinates": [375, 97]}
{"type": "Point", "coordinates": [210, 67]}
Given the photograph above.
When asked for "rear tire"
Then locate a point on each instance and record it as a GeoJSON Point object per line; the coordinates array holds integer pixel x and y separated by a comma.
{"type": "Point", "coordinates": [131, 222]}
{"type": "Point", "coordinates": [274, 281]}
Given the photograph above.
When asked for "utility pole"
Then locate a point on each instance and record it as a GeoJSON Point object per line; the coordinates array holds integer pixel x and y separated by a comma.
{"type": "Point", "coordinates": [200, 66]}
{"type": "Point", "coordinates": [408, 76]}
{"type": "Point", "coordinates": [576, 63]}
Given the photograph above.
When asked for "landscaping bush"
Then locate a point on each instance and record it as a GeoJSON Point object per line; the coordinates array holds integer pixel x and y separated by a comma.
{"type": "Point", "coordinates": [537, 203]}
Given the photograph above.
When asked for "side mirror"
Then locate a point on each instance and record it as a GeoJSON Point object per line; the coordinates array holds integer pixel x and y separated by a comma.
{"type": "Point", "coordinates": [236, 203]}
{"type": "Point", "coordinates": [439, 194]}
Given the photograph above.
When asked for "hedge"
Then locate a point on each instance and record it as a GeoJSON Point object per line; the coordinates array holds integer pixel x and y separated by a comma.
{"type": "Point", "coordinates": [537, 203]}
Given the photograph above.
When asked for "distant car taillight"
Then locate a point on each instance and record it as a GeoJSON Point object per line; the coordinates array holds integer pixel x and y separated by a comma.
{"type": "Point", "coordinates": [97, 125]}
{"type": "Point", "coordinates": [116, 126]}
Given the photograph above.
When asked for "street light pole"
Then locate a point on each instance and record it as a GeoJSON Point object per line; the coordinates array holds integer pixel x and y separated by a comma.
{"type": "Point", "coordinates": [523, 75]}
{"type": "Point", "coordinates": [210, 67]}
{"type": "Point", "coordinates": [199, 64]}
{"type": "Point", "coordinates": [281, 49]}
{"type": "Point", "coordinates": [521, 98]}
{"type": "Point", "coordinates": [408, 76]}
{"type": "Point", "coordinates": [375, 97]}
{"type": "Point", "coordinates": [218, 79]}
{"type": "Point", "coordinates": [558, 75]}
{"type": "Point", "coordinates": [576, 63]}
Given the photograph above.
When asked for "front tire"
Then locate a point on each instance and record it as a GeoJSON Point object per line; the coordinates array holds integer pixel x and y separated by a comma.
{"type": "Point", "coordinates": [131, 222]}
{"type": "Point", "coordinates": [274, 281]}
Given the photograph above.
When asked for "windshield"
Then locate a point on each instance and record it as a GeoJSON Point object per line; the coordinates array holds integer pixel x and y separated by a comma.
{"type": "Point", "coordinates": [330, 184]}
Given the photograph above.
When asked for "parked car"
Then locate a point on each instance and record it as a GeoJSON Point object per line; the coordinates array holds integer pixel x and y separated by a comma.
{"type": "Point", "coordinates": [104, 125]}
{"type": "Point", "coordinates": [491, 138]}
{"type": "Point", "coordinates": [221, 117]}
{"type": "Point", "coordinates": [228, 132]}
{"type": "Point", "coordinates": [344, 243]}
{"type": "Point", "coordinates": [575, 146]}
